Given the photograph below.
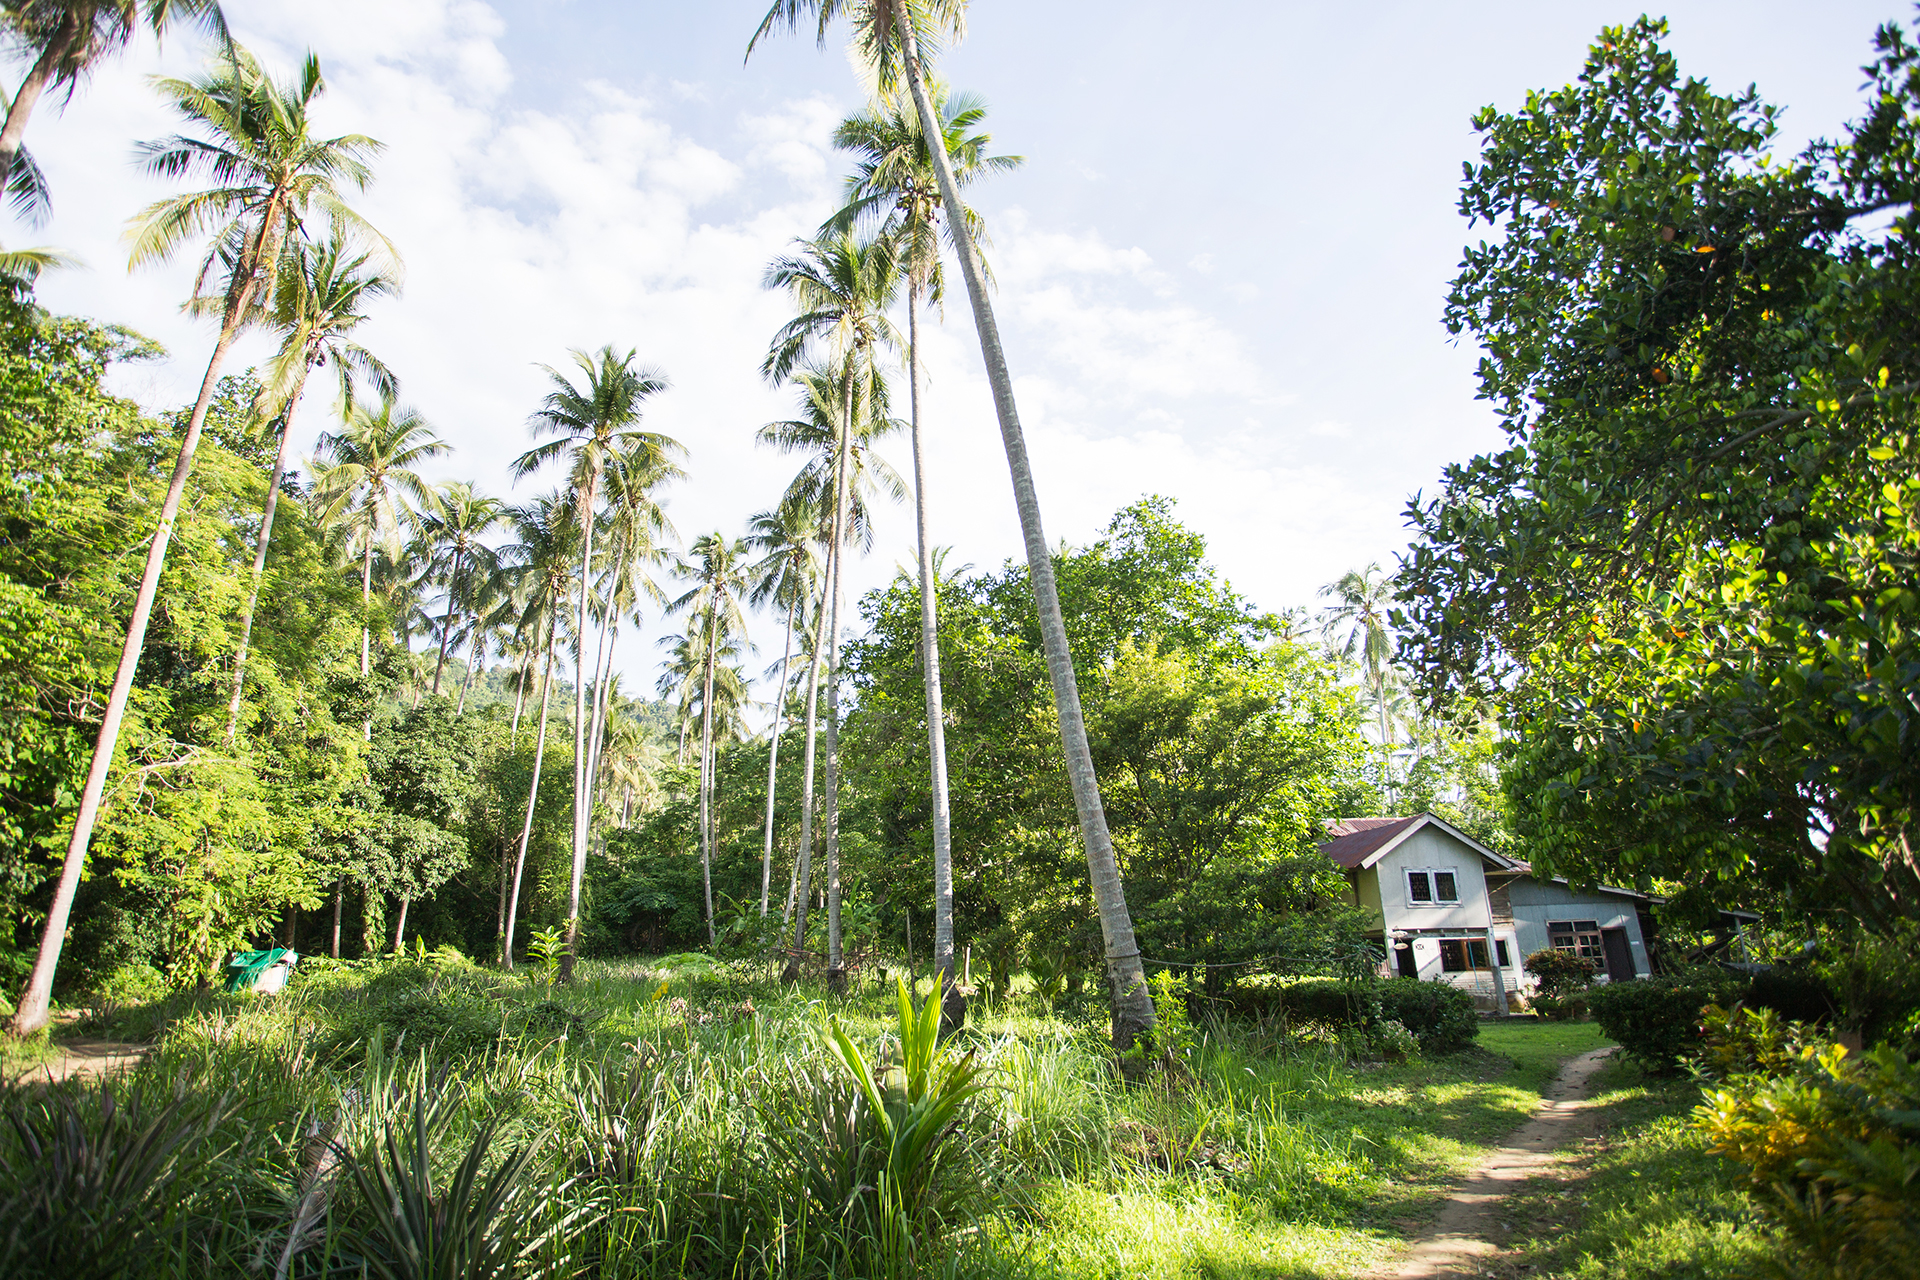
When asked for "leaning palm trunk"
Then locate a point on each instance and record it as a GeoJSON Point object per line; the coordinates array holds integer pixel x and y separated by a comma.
{"type": "Point", "coordinates": [446, 623]}
{"type": "Point", "coordinates": [31, 1013]}
{"type": "Point", "coordinates": [773, 762]}
{"type": "Point", "coordinates": [953, 1004]}
{"type": "Point", "coordinates": [1132, 1003]}
{"type": "Point", "coordinates": [836, 968]}
{"type": "Point", "coordinates": [580, 783]}
{"type": "Point", "coordinates": [400, 926]}
{"type": "Point", "coordinates": [41, 74]}
{"type": "Point", "coordinates": [533, 795]}
{"type": "Point", "coordinates": [803, 860]}
{"type": "Point", "coordinates": [366, 623]}
{"type": "Point", "coordinates": [260, 556]}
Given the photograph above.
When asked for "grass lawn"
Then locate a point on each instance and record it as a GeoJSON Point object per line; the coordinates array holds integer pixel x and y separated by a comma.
{"type": "Point", "coordinates": [1277, 1155]}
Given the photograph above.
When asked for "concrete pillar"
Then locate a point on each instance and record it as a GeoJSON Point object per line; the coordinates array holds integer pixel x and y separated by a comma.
{"type": "Point", "coordinates": [1499, 981]}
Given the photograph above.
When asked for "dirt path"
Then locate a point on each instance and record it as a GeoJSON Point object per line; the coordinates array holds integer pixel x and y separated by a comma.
{"type": "Point", "coordinates": [1457, 1243]}
{"type": "Point", "coordinates": [88, 1060]}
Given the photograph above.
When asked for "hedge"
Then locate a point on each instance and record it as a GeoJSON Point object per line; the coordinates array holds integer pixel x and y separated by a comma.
{"type": "Point", "coordinates": [1656, 1020]}
{"type": "Point", "coordinates": [1439, 1014]}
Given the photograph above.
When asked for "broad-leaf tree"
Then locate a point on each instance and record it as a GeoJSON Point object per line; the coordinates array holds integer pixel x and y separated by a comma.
{"type": "Point", "coordinates": [272, 178]}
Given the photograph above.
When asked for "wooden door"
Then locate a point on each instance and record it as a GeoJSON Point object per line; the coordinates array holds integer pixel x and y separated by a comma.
{"type": "Point", "coordinates": [1619, 955]}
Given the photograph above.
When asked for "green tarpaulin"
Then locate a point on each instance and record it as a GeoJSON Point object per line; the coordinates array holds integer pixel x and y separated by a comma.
{"type": "Point", "coordinates": [246, 967]}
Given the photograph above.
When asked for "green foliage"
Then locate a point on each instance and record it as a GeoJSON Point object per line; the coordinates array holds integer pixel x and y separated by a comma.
{"type": "Point", "coordinates": [1438, 1014]}
{"type": "Point", "coordinates": [92, 1183]}
{"type": "Point", "coordinates": [1830, 1145]}
{"type": "Point", "coordinates": [548, 950]}
{"type": "Point", "coordinates": [1689, 575]}
{"type": "Point", "coordinates": [1656, 1020]}
{"type": "Point", "coordinates": [1559, 973]}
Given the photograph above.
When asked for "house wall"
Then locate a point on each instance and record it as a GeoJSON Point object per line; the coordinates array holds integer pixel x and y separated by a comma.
{"type": "Point", "coordinates": [1535, 902]}
{"type": "Point", "coordinates": [1432, 849]}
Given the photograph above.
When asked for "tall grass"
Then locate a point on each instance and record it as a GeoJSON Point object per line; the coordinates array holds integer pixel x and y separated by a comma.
{"type": "Point", "coordinates": [428, 1118]}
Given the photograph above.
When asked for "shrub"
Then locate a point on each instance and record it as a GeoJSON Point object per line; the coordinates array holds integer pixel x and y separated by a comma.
{"type": "Point", "coordinates": [1337, 1004]}
{"type": "Point", "coordinates": [1392, 1041]}
{"type": "Point", "coordinates": [1439, 1014]}
{"type": "Point", "coordinates": [1558, 973]}
{"type": "Point", "coordinates": [1830, 1146]}
{"type": "Point", "coordinates": [1562, 1008]}
{"type": "Point", "coordinates": [1655, 1020]}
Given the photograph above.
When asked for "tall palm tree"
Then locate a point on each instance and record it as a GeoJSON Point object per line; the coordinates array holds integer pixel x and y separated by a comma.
{"type": "Point", "coordinates": [365, 474]}
{"type": "Point", "coordinates": [1358, 629]}
{"type": "Point", "coordinates": [787, 574]}
{"type": "Point", "coordinates": [316, 307]}
{"type": "Point", "coordinates": [69, 38]}
{"type": "Point", "coordinates": [461, 517]}
{"type": "Point", "coordinates": [894, 180]}
{"type": "Point", "coordinates": [717, 568]}
{"type": "Point", "coordinates": [591, 422]}
{"type": "Point", "coordinates": [272, 178]}
{"type": "Point", "coordinates": [841, 289]}
{"type": "Point", "coordinates": [635, 529]}
{"type": "Point", "coordinates": [894, 37]}
{"type": "Point", "coordinates": [548, 532]}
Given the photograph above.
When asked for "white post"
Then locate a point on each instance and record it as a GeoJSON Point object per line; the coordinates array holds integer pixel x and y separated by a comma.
{"type": "Point", "coordinates": [1499, 982]}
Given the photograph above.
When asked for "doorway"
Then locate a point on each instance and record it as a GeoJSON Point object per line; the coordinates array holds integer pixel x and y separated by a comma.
{"type": "Point", "coordinates": [1403, 960]}
{"type": "Point", "coordinates": [1619, 955]}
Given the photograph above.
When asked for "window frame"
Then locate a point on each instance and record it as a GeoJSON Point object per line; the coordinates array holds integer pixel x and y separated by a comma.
{"type": "Point", "coordinates": [1581, 938]}
{"type": "Point", "coordinates": [1431, 875]}
{"type": "Point", "coordinates": [1473, 956]}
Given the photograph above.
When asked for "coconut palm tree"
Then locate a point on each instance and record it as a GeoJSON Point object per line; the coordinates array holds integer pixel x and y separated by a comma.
{"type": "Point", "coordinates": [591, 422]}
{"type": "Point", "coordinates": [1357, 629]}
{"type": "Point", "coordinates": [272, 179]}
{"type": "Point", "coordinates": [316, 307]}
{"type": "Point", "coordinates": [894, 181]}
{"type": "Point", "coordinates": [542, 560]}
{"type": "Point", "coordinates": [67, 39]}
{"type": "Point", "coordinates": [787, 574]}
{"type": "Point", "coordinates": [717, 568]}
{"type": "Point", "coordinates": [364, 475]}
{"type": "Point", "coordinates": [841, 288]}
{"type": "Point", "coordinates": [895, 37]}
{"type": "Point", "coordinates": [453, 530]}
{"type": "Point", "coordinates": [634, 534]}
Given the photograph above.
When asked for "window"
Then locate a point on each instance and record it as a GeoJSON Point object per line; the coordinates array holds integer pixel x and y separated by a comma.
{"type": "Point", "coordinates": [1460, 955]}
{"type": "Point", "coordinates": [1432, 888]}
{"type": "Point", "coordinates": [1500, 953]}
{"type": "Point", "coordinates": [1580, 937]}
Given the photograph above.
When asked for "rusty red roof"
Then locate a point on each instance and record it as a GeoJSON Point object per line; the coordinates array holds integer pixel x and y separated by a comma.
{"type": "Point", "coordinates": [1357, 839]}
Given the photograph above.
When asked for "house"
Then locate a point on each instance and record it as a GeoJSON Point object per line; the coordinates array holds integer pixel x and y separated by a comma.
{"type": "Point", "coordinates": [1450, 909]}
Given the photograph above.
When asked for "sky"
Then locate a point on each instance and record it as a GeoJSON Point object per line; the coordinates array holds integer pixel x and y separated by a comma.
{"type": "Point", "coordinates": [1220, 267]}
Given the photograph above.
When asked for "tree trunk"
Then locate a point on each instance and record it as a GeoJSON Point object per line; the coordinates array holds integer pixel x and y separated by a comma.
{"type": "Point", "coordinates": [400, 927]}
{"type": "Point", "coordinates": [519, 700]}
{"type": "Point", "coordinates": [836, 968]}
{"type": "Point", "coordinates": [773, 762]}
{"type": "Point", "coordinates": [33, 86]}
{"type": "Point", "coordinates": [803, 858]}
{"type": "Point", "coordinates": [260, 556]}
{"type": "Point", "coordinates": [31, 1013]}
{"type": "Point", "coordinates": [1132, 1003]}
{"type": "Point", "coordinates": [446, 623]}
{"type": "Point", "coordinates": [339, 897]}
{"type": "Point", "coordinates": [366, 622]}
{"type": "Point", "coordinates": [706, 771]}
{"type": "Point", "coordinates": [603, 684]}
{"type": "Point", "coordinates": [953, 1004]}
{"type": "Point", "coordinates": [580, 814]}
{"type": "Point", "coordinates": [533, 795]}
{"type": "Point", "coordinates": [473, 657]}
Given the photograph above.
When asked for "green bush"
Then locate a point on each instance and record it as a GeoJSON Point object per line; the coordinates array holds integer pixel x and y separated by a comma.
{"type": "Point", "coordinates": [1439, 1014]}
{"type": "Point", "coordinates": [1325, 1000]}
{"type": "Point", "coordinates": [1561, 1008]}
{"type": "Point", "coordinates": [1656, 1020]}
{"type": "Point", "coordinates": [1558, 973]}
{"type": "Point", "coordinates": [1830, 1150]}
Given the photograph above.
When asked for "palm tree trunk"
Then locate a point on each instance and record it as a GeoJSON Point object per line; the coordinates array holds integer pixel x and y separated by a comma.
{"type": "Point", "coordinates": [706, 772]}
{"type": "Point", "coordinates": [446, 623]}
{"type": "Point", "coordinates": [366, 623]}
{"type": "Point", "coordinates": [400, 927]}
{"type": "Point", "coordinates": [519, 700]}
{"type": "Point", "coordinates": [953, 1005]}
{"type": "Point", "coordinates": [31, 1013]}
{"type": "Point", "coordinates": [803, 859]}
{"type": "Point", "coordinates": [473, 657]}
{"type": "Point", "coordinates": [260, 556]}
{"type": "Point", "coordinates": [580, 814]}
{"type": "Point", "coordinates": [1132, 1003]}
{"type": "Point", "coordinates": [773, 762]}
{"type": "Point", "coordinates": [533, 794]}
{"type": "Point", "coordinates": [603, 684]}
{"type": "Point", "coordinates": [33, 86]}
{"type": "Point", "coordinates": [339, 897]}
{"type": "Point", "coordinates": [836, 970]}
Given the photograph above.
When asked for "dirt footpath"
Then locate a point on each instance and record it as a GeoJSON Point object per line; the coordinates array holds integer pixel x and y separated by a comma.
{"type": "Point", "coordinates": [1457, 1244]}
{"type": "Point", "coordinates": [87, 1060]}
